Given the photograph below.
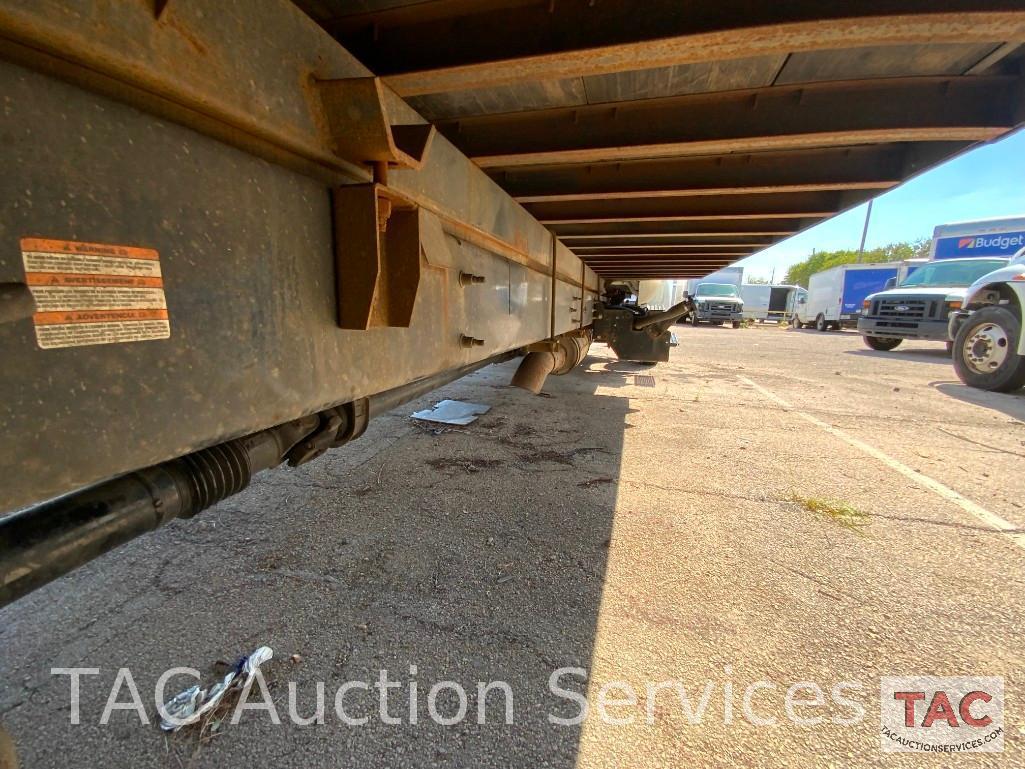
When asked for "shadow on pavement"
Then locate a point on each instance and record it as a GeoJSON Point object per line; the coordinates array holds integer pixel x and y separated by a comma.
{"type": "Point", "coordinates": [939, 355]}
{"type": "Point", "coordinates": [465, 554]}
{"type": "Point", "coordinates": [1011, 404]}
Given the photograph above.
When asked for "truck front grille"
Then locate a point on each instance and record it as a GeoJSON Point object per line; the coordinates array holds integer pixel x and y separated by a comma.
{"type": "Point", "coordinates": [721, 307]}
{"type": "Point", "coordinates": [902, 309]}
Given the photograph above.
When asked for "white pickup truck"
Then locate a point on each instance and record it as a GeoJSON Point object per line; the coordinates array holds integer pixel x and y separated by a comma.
{"type": "Point", "coordinates": [920, 306]}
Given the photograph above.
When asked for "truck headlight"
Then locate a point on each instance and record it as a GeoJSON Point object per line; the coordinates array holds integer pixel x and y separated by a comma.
{"type": "Point", "coordinates": [865, 304]}
{"type": "Point", "coordinates": [954, 302]}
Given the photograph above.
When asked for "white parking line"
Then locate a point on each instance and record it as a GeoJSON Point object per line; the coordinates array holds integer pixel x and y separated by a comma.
{"type": "Point", "coordinates": [993, 520]}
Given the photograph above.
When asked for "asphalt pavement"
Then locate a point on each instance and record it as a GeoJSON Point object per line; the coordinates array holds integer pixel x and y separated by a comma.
{"type": "Point", "coordinates": [681, 544]}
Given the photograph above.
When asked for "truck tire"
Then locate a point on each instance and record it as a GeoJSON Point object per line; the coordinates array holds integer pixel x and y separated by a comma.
{"type": "Point", "coordinates": [881, 343]}
{"type": "Point", "coordinates": [985, 351]}
{"type": "Point", "coordinates": [950, 348]}
{"type": "Point", "coordinates": [820, 323]}
{"type": "Point", "coordinates": [736, 324]}
{"type": "Point", "coordinates": [795, 323]}
{"type": "Point", "coordinates": [694, 318]}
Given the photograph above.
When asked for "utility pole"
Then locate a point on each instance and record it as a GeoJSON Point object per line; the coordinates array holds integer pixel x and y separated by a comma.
{"type": "Point", "coordinates": [864, 232]}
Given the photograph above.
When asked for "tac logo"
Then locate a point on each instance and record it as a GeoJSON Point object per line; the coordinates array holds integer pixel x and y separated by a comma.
{"type": "Point", "coordinates": [966, 243]}
{"type": "Point", "coordinates": [929, 714]}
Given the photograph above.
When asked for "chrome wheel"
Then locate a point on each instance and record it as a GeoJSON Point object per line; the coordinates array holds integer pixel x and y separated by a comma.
{"type": "Point", "coordinates": [986, 348]}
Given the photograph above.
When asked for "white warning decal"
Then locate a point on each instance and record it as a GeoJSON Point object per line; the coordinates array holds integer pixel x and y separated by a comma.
{"type": "Point", "coordinates": [91, 293]}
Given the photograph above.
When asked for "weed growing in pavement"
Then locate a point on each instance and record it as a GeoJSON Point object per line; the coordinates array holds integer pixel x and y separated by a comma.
{"type": "Point", "coordinates": [840, 512]}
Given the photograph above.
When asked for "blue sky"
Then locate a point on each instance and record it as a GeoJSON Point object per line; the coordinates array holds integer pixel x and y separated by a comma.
{"type": "Point", "coordinates": [986, 182]}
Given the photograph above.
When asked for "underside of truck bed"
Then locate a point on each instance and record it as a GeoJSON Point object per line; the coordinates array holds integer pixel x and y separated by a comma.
{"type": "Point", "coordinates": [668, 140]}
{"type": "Point", "coordinates": [247, 227]}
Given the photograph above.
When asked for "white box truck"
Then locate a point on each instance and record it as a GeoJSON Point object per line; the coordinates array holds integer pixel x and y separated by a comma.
{"type": "Point", "coordinates": [766, 302]}
{"type": "Point", "coordinates": [835, 296]}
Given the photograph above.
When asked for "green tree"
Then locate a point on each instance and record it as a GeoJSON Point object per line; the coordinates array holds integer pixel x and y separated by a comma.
{"type": "Point", "coordinates": [799, 273]}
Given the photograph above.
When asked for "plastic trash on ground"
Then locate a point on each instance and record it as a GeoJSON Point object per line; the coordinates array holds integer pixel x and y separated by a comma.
{"type": "Point", "coordinates": [189, 706]}
{"type": "Point", "coordinates": [452, 412]}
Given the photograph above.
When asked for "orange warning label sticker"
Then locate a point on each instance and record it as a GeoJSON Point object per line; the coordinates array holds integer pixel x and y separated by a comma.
{"type": "Point", "coordinates": [91, 293]}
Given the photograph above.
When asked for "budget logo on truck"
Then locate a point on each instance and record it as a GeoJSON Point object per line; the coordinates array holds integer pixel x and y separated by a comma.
{"type": "Point", "coordinates": [999, 244]}
{"type": "Point", "coordinates": [930, 714]}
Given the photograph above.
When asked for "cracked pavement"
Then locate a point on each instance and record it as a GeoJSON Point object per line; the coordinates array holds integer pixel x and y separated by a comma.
{"type": "Point", "coordinates": [640, 533]}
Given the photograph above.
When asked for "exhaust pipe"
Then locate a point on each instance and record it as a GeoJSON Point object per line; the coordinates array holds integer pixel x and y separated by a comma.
{"type": "Point", "coordinates": [666, 316]}
{"type": "Point", "coordinates": [557, 356]}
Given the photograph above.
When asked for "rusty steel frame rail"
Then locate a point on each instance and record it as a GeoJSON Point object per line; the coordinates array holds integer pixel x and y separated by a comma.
{"type": "Point", "coordinates": [704, 207]}
{"type": "Point", "coordinates": [776, 118]}
{"type": "Point", "coordinates": [262, 102]}
{"type": "Point", "coordinates": [871, 167]}
{"type": "Point", "coordinates": [777, 228]}
{"type": "Point", "coordinates": [601, 116]}
{"type": "Point", "coordinates": [246, 77]}
{"type": "Point", "coordinates": [574, 38]}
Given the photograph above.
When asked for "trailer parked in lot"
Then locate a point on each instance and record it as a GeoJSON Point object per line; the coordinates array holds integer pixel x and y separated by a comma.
{"type": "Point", "coordinates": [835, 296]}
{"type": "Point", "coordinates": [763, 301]}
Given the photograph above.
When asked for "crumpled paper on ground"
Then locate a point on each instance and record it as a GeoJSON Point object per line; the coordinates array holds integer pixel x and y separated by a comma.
{"type": "Point", "coordinates": [189, 706]}
{"type": "Point", "coordinates": [452, 412]}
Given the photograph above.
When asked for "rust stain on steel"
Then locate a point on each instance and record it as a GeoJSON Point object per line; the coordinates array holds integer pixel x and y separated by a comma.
{"type": "Point", "coordinates": [982, 27]}
{"type": "Point", "coordinates": [744, 144]}
{"type": "Point", "coordinates": [486, 240]}
{"type": "Point", "coordinates": [170, 20]}
{"type": "Point", "coordinates": [71, 53]}
{"type": "Point", "coordinates": [84, 56]}
{"type": "Point", "coordinates": [483, 239]}
{"type": "Point", "coordinates": [478, 237]}
{"type": "Point", "coordinates": [363, 131]}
